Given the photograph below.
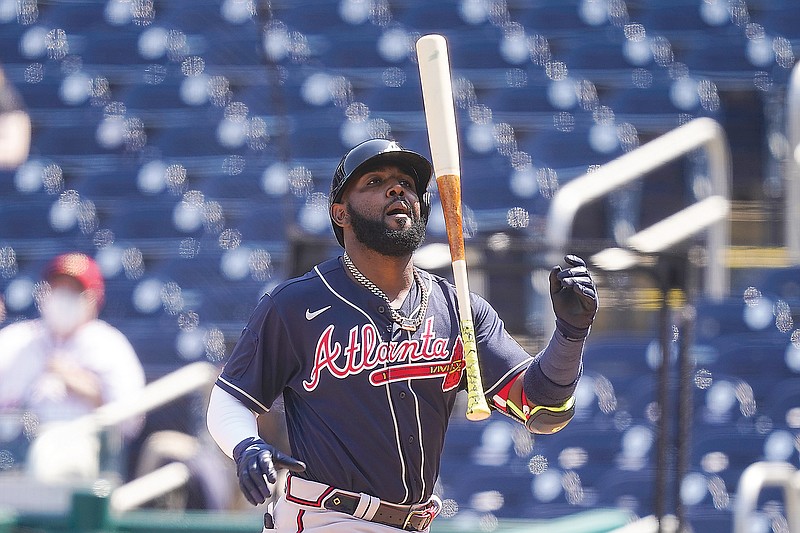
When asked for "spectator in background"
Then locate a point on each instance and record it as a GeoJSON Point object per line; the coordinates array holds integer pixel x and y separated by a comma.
{"type": "Point", "coordinates": [15, 126]}
{"type": "Point", "coordinates": [65, 364]}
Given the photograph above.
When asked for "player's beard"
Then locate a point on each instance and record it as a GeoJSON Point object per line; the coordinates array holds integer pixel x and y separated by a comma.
{"type": "Point", "coordinates": [375, 234]}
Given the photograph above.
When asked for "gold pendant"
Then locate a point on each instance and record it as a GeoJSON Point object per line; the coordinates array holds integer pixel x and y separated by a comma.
{"type": "Point", "coordinates": [407, 324]}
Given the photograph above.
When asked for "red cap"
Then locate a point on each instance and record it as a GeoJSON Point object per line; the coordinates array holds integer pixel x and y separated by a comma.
{"type": "Point", "coordinates": [81, 267]}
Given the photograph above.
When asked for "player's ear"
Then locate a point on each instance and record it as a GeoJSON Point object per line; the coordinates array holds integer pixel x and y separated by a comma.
{"type": "Point", "coordinates": [339, 214]}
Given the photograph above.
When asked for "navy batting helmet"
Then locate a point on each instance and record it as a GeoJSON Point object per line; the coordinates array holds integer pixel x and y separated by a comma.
{"type": "Point", "coordinates": [367, 155]}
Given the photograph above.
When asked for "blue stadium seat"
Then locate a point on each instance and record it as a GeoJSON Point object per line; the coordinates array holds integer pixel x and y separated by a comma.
{"type": "Point", "coordinates": [673, 20]}
{"type": "Point", "coordinates": [73, 17]}
{"type": "Point", "coordinates": [350, 49]}
{"type": "Point", "coordinates": [741, 450]}
{"type": "Point", "coordinates": [553, 18]}
{"type": "Point", "coordinates": [198, 139]}
{"type": "Point", "coordinates": [433, 17]}
{"type": "Point", "coordinates": [44, 94]}
{"type": "Point", "coordinates": [203, 17]}
{"type": "Point", "coordinates": [406, 99]}
{"type": "Point", "coordinates": [520, 101]}
{"type": "Point", "coordinates": [476, 49]}
{"type": "Point", "coordinates": [650, 109]}
{"type": "Point", "coordinates": [10, 53]}
{"type": "Point", "coordinates": [106, 184]}
{"type": "Point", "coordinates": [147, 220]}
{"type": "Point", "coordinates": [267, 223]}
{"type": "Point", "coordinates": [721, 57]}
{"type": "Point", "coordinates": [154, 343]}
{"type": "Point", "coordinates": [782, 19]}
{"type": "Point", "coordinates": [231, 48]}
{"type": "Point", "coordinates": [245, 186]}
{"type": "Point", "coordinates": [118, 46]}
{"type": "Point", "coordinates": [569, 151]}
{"type": "Point", "coordinates": [784, 396]}
{"type": "Point", "coordinates": [322, 20]}
{"type": "Point", "coordinates": [28, 219]}
{"type": "Point", "coordinates": [485, 182]}
{"type": "Point", "coordinates": [593, 57]}
{"type": "Point", "coordinates": [150, 97]}
{"type": "Point", "coordinates": [783, 283]}
{"type": "Point", "coordinates": [264, 98]}
{"type": "Point", "coordinates": [629, 488]}
{"type": "Point", "coordinates": [73, 139]}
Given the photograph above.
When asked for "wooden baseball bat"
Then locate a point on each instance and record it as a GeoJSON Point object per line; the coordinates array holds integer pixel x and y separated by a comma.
{"type": "Point", "coordinates": [440, 116]}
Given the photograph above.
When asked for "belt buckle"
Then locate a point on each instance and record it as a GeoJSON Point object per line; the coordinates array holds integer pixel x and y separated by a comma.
{"type": "Point", "coordinates": [426, 515]}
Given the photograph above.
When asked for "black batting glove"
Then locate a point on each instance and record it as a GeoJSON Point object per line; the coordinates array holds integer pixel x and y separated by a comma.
{"type": "Point", "coordinates": [256, 466]}
{"type": "Point", "coordinates": [574, 298]}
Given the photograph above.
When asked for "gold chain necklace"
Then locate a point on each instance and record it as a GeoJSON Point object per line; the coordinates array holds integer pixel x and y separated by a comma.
{"type": "Point", "coordinates": [406, 323]}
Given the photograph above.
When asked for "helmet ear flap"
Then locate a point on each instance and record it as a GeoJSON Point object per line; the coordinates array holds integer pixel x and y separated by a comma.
{"type": "Point", "coordinates": [425, 205]}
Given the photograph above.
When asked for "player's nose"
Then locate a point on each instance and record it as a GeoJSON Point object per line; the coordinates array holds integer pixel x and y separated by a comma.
{"type": "Point", "coordinates": [395, 189]}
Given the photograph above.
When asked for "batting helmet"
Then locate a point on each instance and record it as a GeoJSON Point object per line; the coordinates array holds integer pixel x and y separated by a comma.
{"type": "Point", "coordinates": [367, 155]}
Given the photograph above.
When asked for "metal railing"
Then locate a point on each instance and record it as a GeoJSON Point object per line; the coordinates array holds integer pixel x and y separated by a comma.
{"type": "Point", "coordinates": [753, 480]}
{"type": "Point", "coordinates": [699, 134]}
{"type": "Point", "coordinates": [792, 215]}
{"type": "Point", "coordinates": [175, 385]}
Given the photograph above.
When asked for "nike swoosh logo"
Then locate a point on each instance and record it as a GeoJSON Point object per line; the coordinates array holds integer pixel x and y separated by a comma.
{"type": "Point", "coordinates": [312, 315]}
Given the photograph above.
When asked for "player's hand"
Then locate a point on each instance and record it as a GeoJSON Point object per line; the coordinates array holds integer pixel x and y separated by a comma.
{"type": "Point", "coordinates": [574, 297]}
{"type": "Point", "coordinates": [257, 464]}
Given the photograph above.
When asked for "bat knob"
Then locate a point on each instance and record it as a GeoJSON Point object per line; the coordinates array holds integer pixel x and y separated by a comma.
{"type": "Point", "coordinates": [478, 410]}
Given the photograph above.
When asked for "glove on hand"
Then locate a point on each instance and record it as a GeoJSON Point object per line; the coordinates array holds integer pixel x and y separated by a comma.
{"type": "Point", "coordinates": [256, 466]}
{"type": "Point", "coordinates": [574, 298]}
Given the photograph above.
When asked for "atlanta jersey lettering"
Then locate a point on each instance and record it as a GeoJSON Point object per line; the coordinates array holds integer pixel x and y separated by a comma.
{"type": "Point", "coordinates": [367, 403]}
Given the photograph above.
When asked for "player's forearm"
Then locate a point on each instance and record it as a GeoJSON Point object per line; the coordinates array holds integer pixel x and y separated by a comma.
{"type": "Point", "coordinates": [552, 377]}
{"type": "Point", "coordinates": [229, 421]}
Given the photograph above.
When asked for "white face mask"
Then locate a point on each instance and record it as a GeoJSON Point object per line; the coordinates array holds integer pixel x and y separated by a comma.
{"type": "Point", "coordinates": [63, 311]}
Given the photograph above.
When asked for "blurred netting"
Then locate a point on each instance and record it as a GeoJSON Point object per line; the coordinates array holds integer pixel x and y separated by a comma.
{"type": "Point", "coordinates": [188, 147]}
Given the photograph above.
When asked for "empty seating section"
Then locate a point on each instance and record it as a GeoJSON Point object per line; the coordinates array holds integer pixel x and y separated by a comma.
{"type": "Point", "coordinates": [186, 143]}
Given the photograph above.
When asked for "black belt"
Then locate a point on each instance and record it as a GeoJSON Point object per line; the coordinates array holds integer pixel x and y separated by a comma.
{"type": "Point", "coordinates": [407, 517]}
{"type": "Point", "coordinates": [414, 517]}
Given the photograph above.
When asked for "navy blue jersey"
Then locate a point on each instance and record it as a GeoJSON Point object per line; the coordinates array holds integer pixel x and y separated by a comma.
{"type": "Point", "coordinates": [367, 403]}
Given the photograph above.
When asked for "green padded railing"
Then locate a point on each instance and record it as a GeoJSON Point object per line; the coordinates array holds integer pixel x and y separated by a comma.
{"type": "Point", "coordinates": [90, 513]}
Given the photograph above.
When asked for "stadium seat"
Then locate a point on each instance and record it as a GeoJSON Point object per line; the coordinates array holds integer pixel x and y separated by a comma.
{"type": "Point", "coordinates": [149, 97]}
{"type": "Point", "coordinates": [632, 490]}
{"type": "Point", "coordinates": [783, 283]}
{"type": "Point", "coordinates": [44, 94]}
{"type": "Point", "coordinates": [718, 61]}
{"type": "Point", "coordinates": [28, 219]}
{"type": "Point", "coordinates": [596, 58]}
{"type": "Point", "coordinates": [553, 18]}
{"type": "Point", "coordinates": [432, 17]}
{"type": "Point", "coordinates": [782, 20]}
{"type": "Point", "coordinates": [78, 138]}
{"type": "Point", "coordinates": [147, 220]}
{"type": "Point", "coordinates": [321, 21]}
{"type": "Point", "coordinates": [740, 449]}
{"type": "Point", "coordinates": [391, 100]}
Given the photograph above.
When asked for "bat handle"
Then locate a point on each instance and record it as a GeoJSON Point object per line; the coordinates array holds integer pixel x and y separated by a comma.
{"type": "Point", "coordinates": [477, 407]}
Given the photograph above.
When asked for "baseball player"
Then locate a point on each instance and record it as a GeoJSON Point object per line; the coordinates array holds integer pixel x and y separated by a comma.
{"type": "Point", "coordinates": [366, 351]}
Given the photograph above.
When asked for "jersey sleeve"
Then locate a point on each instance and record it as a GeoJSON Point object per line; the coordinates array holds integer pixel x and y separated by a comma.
{"type": "Point", "coordinates": [501, 356]}
{"type": "Point", "coordinates": [262, 361]}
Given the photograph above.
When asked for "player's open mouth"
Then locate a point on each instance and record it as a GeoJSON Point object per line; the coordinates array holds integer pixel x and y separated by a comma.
{"type": "Point", "coordinates": [399, 210]}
